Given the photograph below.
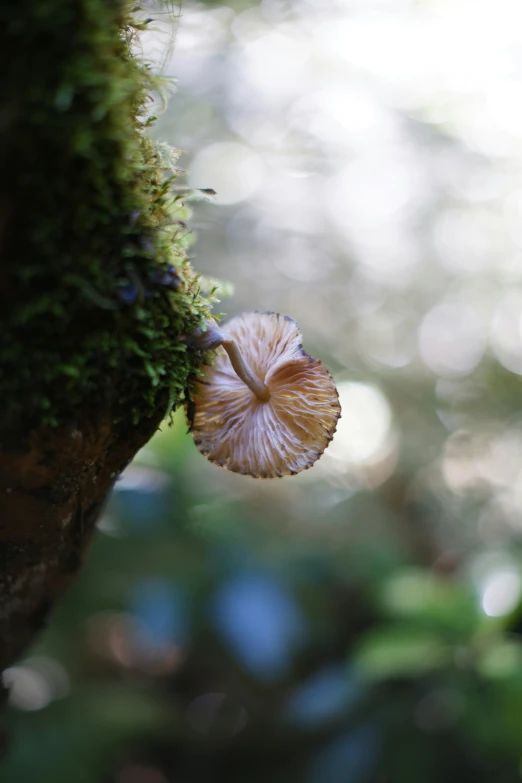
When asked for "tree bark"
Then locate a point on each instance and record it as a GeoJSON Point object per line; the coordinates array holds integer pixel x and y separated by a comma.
{"type": "Point", "coordinates": [96, 293]}
{"type": "Point", "coordinates": [53, 484]}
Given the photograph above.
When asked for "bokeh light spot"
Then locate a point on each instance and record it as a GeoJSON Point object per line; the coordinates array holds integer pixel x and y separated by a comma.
{"type": "Point", "coordinates": [452, 339]}
{"type": "Point", "coordinates": [365, 424]}
{"type": "Point", "coordinates": [501, 592]}
{"type": "Point", "coordinates": [214, 713]}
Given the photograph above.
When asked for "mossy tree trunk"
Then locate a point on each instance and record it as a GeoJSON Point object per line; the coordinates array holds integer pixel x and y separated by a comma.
{"type": "Point", "coordinates": [95, 291]}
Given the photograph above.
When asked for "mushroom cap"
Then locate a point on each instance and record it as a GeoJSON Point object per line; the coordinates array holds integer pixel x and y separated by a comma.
{"type": "Point", "coordinates": [283, 435]}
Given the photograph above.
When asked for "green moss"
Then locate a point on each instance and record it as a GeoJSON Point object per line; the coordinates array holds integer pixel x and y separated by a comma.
{"type": "Point", "coordinates": [95, 287]}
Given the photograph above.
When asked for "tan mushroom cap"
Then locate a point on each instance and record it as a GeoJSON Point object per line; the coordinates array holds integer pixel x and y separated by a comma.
{"type": "Point", "coordinates": [280, 436]}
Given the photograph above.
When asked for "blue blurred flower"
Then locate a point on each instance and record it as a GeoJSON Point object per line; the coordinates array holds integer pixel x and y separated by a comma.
{"type": "Point", "coordinates": [329, 693]}
{"type": "Point", "coordinates": [260, 620]}
{"type": "Point", "coordinates": [162, 612]}
{"type": "Point", "coordinates": [350, 756]}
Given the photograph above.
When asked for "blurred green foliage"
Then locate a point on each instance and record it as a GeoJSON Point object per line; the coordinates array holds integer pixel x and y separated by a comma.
{"type": "Point", "coordinates": [200, 644]}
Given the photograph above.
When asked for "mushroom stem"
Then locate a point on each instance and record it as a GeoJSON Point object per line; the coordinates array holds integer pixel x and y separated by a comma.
{"type": "Point", "coordinates": [244, 372]}
{"type": "Point", "coordinates": [213, 337]}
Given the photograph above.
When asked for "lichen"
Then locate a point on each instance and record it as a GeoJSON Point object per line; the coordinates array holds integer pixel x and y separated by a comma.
{"type": "Point", "coordinates": [96, 291]}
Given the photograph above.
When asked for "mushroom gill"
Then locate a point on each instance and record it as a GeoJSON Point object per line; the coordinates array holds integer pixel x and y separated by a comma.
{"type": "Point", "coordinates": [279, 416]}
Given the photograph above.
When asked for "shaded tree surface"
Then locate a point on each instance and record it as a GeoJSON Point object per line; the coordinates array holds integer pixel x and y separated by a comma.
{"type": "Point", "coordinates": [96, 293]}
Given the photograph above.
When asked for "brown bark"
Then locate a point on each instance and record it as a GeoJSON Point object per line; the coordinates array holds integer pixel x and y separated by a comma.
{"type": "Point", "coordinates": [53, 484]}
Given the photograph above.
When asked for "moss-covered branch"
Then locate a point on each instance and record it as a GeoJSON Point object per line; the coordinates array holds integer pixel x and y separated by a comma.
{"type": "Point", "coordinates": [95, 288]}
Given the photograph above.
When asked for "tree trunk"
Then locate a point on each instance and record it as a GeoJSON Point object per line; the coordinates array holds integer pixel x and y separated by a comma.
{"type": "Point", "coordinates": [53, 484]}
{"type": "Point", "coordinates": [96, 294]}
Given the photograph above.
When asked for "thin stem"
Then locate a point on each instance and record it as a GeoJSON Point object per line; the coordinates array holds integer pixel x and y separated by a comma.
{"type": "Point", "coordinates": [213, 337]}
{"type": "Point", "coordinates": [243, 371]}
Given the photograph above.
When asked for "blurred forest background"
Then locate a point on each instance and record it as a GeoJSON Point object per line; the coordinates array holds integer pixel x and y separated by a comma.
{"type": "Point", "coordinates": [361, 621]}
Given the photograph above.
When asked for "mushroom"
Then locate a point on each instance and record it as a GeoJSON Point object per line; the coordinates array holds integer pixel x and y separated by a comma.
{"type": "Point", "coordinates": [264, 407]}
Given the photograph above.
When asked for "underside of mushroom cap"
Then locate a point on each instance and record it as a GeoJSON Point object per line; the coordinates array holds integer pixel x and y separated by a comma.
{"type": "Point", "coordinates": [280, 436]}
